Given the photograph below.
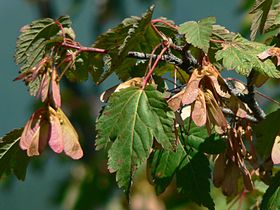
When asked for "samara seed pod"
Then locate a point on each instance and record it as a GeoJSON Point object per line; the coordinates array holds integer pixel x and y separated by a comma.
{"type": "Point", "coordinates": [232, 174]}
{"type": "Point", "coordinates": [219, 170]}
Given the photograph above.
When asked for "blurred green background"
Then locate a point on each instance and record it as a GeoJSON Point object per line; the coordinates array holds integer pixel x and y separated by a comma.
{"type": "Point", "coordinates": [56, 182]}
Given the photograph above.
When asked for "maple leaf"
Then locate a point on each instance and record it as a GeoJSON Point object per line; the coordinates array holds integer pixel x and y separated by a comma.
{"type": "Point", "coordinates": [193, 179]}
{"type": "Point", "coordinates": [131, 120]}
{"type": "Point", "coordinates": [164, 165]}
{"type": "Point", "coordinates": [198, 33]}
{"type": "Point", "coordinates": [134, 33]}
{"type": "Point", "coordinates": [32, 44]}
{"type": "Point", "coordinates": [241, 55]}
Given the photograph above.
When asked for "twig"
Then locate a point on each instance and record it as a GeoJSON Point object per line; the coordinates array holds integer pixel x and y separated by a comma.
{"type": "Point", "coordinates": [83, 49]}
{"type": "Point", "coordinates": [230, 112]}
{"type": "Point", "coordinates": [249, 99]}
{"type": "Point", "coordinates": [145, 56]}
{"type": "Point", "coordinates": [77, 45]}
{"type": "Point", "coordinates": [164, 22]}
{"type": "Point", "coordinates": [153, 67]}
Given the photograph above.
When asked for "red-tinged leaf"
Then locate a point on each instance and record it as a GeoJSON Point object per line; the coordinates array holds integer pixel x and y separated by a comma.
{"type": "Point", "coordinates": [199, 110]}
{"type": "Point", "coordinates": [44, 87]}
{"type": "Point", "coordinates": [175, 102]}
{"type": "Point", "coordinates": [191, 91]}
{"type": "Point", "coordinates": [56, 138]}
{"type": "Point", "coordinates": [275, 153]}
{"type": "Point", "coordinates": [55, 89]}
{"type": "Point", "coordinates": [72, 147]}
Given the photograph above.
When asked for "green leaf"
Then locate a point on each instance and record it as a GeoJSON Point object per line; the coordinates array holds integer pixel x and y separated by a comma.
{"type": "Point", "coordinates": [271, 198]}
{"type": "Point", "coordinates": [260, 12]}
{"type": "Point", "coordinates": [12, 158]}
{"type": "Point", "coordinates": [198, 33]}
{"type": "Point", "coordinates": [164, 164]}
{"type": "Point", "coordinates": [35, 37]}
{"type": "Point", "coordinates": [133, 34]}
{"type": "Point", "coordinates": [266, 132]}
{"type": "Point", "coordinates": [241, 55]}
{"type": "Point", "coordinates": [199, 140]}
{"type": "Point", "coordinates": [131, 120]}
{"type": "Point", "coordinates": [193, 180]}
{"type": "Point", "coordinates": [32, 44]}
{"type": "Point", "coordinates": [221, 33]}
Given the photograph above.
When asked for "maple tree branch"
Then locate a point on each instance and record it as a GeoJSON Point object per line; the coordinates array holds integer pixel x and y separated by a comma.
{"type": "Point", "coordinates": [83, 49]}
{"type": "Point", "coordinates": [230, 112]}
{"type": "Point", "coordinates": [145, 56]}
{"type": "Point", "coordinates": [249, 99]}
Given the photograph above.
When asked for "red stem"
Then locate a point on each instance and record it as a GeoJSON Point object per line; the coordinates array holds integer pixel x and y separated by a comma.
{"type": "Point", "coordinates": [153, 67]}
{"type": "Point", "coordinates": [217, 41]}
{"type": "Point", "coordinates": [164, 22]}
{"type": "Point", "coordinates": [84, 49]}
{"type": "Point", "coordinates": [268, 98]}
{"type": "Point", "coordinates": [77, 46]}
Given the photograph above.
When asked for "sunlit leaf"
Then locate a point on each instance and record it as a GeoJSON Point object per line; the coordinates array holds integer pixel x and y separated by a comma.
{"type": "Point", "coordinates": [33, 42]}
{"type": "Point", "coordinates": [198, 33]}
{"type": "Point", "coordinates": [131, 120]}
{"type": "Point", "coordinates": [12, 158]}
{"type": "Point", "coordinates": [241, 55]}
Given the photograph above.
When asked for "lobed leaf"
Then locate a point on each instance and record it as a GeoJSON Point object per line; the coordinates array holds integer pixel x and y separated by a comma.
{"type": "Point", "coordinates": [198, 33]}
{"type": "Point", "coordinates": [134, 33]}
{"type": "Point", "coordinates": [32, 44]}
{"type": "Point", "coordinates": [131, 120]}
{"type": "Point", "coordinates": [241, 55]}
{"type": "Point", "coordinates": [164, 165]}
{"type": "Point", "coordinates": [193, 179]}
{"type": "Point", "coordinates": [12, 158]}
{"type": "Point", "coordinates": [200, 140]}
